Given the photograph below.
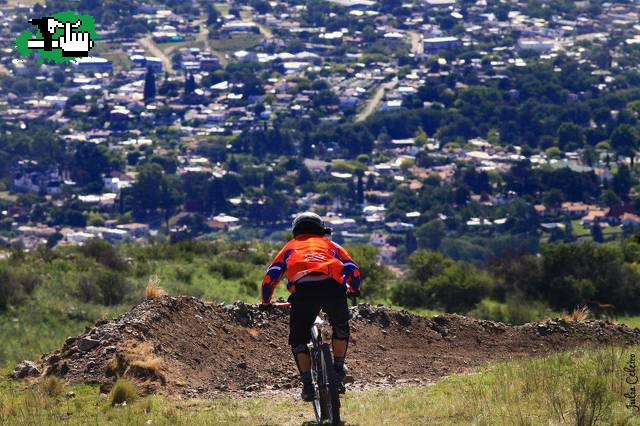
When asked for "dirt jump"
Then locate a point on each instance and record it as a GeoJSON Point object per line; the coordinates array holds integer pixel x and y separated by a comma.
{"type": "Point", "coordinates": [185, 348]}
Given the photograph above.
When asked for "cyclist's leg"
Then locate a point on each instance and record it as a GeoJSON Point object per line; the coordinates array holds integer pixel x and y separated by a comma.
{"type": "Point", "coordinates": [304, 310]}
{"type": "Point", "coordinates": [337, 309]}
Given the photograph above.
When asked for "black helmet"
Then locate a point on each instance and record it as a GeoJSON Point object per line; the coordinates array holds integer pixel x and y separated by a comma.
{"type": "Point", "coordinates": [309, 223]}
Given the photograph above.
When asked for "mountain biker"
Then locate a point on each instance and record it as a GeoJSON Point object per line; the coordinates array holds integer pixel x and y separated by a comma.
{"type": "Point", "coordinates": [320, 274]}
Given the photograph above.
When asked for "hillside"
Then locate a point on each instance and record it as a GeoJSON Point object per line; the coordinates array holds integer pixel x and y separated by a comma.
{"type": "Point", "coordinates": [187, 348]}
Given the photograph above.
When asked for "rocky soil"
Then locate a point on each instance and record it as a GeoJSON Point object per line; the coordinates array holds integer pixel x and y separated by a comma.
{"type": "Point", "coordinates": [183, 347]}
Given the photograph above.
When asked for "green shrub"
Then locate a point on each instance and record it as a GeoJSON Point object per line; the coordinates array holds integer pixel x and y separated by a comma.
{"type": "Point", "coordinates": [114, 287]}
{"type": "Point", "coordinates": [16, 285]}
{"type": "Point", "coordinates": [514, 311]}
{"type": "Point", "coordinates": [5, 289]}
{"type": "Point", "coordinates": [376, 278]}
{"type": "Point", "coordinates": [259, 258]}
{"type": "Point", "coordinates": [104, 253]}
{"type": "Point", "coordinates": [104, 286]}
{"type": "Point", "coordinates": [438, 281]}
{"type": "Point", "coordinates": [229, 269]}
{"type": "Point", "coordinates": [184, 274]}
{"type": "Point", "coordinates": [123, 391]}
{"type": "Point", "coordinates": [591, 399]}
{"type": "Point", "coordinates": [183, 250]}
{"type": "Point", "coordinates": [88, 289]}
{"type": "Point", "coordinates": [249, 286]}
{"type": "Point", "coordinates": [141, 268]}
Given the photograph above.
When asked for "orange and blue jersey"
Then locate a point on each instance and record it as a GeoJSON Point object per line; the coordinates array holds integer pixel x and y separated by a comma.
{"type": "Point", "coordinates": [310, 254]}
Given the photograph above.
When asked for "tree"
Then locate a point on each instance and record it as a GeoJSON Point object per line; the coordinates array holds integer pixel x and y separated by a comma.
{"type": "Point", "coordinates": [360, 189]}
{"type": "Point", "coordinates": [217, 196]}
{"type": "Point", "coordinates": [149, 86]}
{"type": "Point", "coordinates": [410, 242]}
{"type": "Point", "coordinates": [89, 162]}
{"type": "Point", "coordinates": [624, 140]}
{"type": "Point", "coordinates": [568, 232]}
{"type": "Point", "coordinates": [430, 234]}
{"type": "Point", "coordinates": [621, 182]}
{"type": "Point", "coordinates": [171, 195]}
{"type": "Point", "coordinates": [596, 232]}
{"type": "Point", "coordinates": [212, 15]}
{"type": "Point", "coordinates": [145, 192]}
{"type": "Point", "coordinates": [371, 182]}
{"type": "Point", "coordinates": [570, 136]}
{"type": "Point", "coordinates": [553, 198]}
{"type": "Point", "coordinates": [189, 85]}
{"type": "Point", "coordinates": [609, 198]}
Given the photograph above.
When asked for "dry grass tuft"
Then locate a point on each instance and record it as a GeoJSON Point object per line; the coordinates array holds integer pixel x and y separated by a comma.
{"type": "Point", "coordinates": [123, 391]}
{"type": "Point", "coordinates": [52, 386]}
{"type": "Point", "coordinates": [149, 364]}
{"type": "Point", "coordinates": [142, 356]}
{"type": "Point", "coordinates": [153, 288]}
{"type": "Point", "coordinates": [578, 314]}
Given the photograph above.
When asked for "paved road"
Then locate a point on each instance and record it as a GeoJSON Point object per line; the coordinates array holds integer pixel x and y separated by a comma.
{"type": "Point", "coordinates": [373, 102]}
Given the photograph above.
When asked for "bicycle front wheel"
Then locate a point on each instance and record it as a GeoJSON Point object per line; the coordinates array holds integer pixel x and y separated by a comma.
{"type": "Point", "coordinates": [328, 387]}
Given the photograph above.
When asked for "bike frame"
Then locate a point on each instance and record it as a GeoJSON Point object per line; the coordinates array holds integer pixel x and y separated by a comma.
{"type": "Point", "coordinates": [314, 352]}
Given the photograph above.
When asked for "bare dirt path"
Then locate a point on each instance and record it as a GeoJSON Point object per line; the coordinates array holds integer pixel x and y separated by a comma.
{"type": "Point", "coordinates": [203, 37]}
{"type": "Point", "coordinates": [186, 348]}
{"type": "Point", "coordinates": [264, 30]}
{"type": "Point", "coordinates": [148, 43]}
{"type": "Point", "coordinates": [417, 48]}
{"type": "Point", "coordinates": [373, 102]}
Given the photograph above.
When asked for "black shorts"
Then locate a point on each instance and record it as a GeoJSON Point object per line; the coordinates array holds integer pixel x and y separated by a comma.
{"type": "Point", "coordinates": [306, 303]}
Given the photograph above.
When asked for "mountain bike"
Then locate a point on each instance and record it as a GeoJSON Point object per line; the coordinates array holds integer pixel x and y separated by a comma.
{"type": "Point", "coordinates": [326, 404]}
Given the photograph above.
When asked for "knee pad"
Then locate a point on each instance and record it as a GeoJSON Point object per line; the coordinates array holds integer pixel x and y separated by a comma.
{"type": "Point", "coordinates": [300, 348]}
{"type": "Point", "coordinates": [341, 331]}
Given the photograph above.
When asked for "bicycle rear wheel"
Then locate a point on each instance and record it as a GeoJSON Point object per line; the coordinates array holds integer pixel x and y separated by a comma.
{"type": "Point", "coordinates": [328, 387]}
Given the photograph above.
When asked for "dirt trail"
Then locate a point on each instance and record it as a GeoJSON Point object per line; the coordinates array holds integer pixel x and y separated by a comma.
{"type": "Point", "coordinates": [373, 102]}
{"type": "Point", "coordinates": [186, 348]}
{"type": "Point", "coordinates": [149, 44]}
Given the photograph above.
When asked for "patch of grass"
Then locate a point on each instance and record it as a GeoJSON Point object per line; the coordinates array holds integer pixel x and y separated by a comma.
{"type": "Point", "coordinates": [573, 387]}
{"type": "Point", "coordinates": [5, 195]}
{"type": "Point", "coordinates": [223, 8]}
{"type": "Point", "coordinates": [235, 42]}
{"type": "Point", "coordinates": [579, 230]}
{"type": "Point", "coordinates": [630, 321]}
{"type": "Point", "coordinates": [26, 2]}
{"type": "Point", "coordinates": [118, 58]}
{"type": "Point", "coordinates": [123, 391]}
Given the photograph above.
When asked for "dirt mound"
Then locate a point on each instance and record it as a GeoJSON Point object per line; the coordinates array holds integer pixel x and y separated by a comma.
{"type": "Point", "coordinates": [187, 348]}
